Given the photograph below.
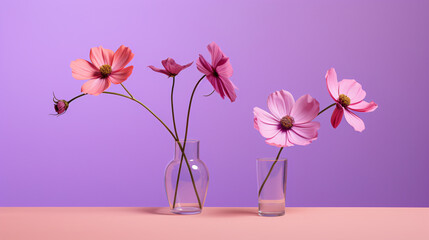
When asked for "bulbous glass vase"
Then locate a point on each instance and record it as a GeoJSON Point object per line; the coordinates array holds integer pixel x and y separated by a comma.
{"type": "Point", "coordinates": [186, 179]}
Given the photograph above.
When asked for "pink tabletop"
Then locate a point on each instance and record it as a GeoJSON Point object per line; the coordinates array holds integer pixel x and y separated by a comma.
{"type": "Point", "coordinates": [214, 223]}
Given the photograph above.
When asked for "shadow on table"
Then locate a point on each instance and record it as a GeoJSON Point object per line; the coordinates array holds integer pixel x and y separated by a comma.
{"type": "Point", "coordinates": [209, 212]}
{"type": "Point", "coordinates": [233, 212]}
{"type": "Point", "coordinates": [155, 210]}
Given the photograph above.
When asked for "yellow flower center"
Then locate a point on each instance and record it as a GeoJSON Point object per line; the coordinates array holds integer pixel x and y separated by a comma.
{"type": "Point", "coordinates": [105, 70]}
{"type": "Point", "coordinates": [287, 122]}
{"type": "Point", "coordinates": [344, 100]}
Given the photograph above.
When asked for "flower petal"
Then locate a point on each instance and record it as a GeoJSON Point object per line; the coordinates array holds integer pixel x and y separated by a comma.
{"type": "Point", "coordinates": [187, 65]}
{"type": "Point", "coordinates": [121, 75]}
{"type": "Point", "coordinates": [159, 70]}
{"type": "Point", "coordinates": [265, 123]}
{"type": "Point", "coordinates": [279, 140]}
{"type": "Point", "coordinates": [344, 85]}
{"type": "Point", "coordinates": [172, 67]}
{"type": "Point", "coordinates": [337, 115]}
{"type": "Point", "coordinates": [96, 86]}
{"type": "Point", "coordinates": [168, 64]}
{"type": "Point", "coordinates": [332, 83]}
{"type": "Point", "coordinates": [255, 123]}
{"type": "Point", "coordinates": [288, 142]}
{"type": "Point", "coordinates": [296, 139]}
{"type": "Point", "coordinates": [121, 58]}
{"type": "Point", "coordinates": [354, 121]}
{"type": "Point", "coordinates": [100, 56]}
{"type": "Point", "coordinates": [280, 103]}
{"type": "Point", "coordinates": [356, 93]}
{"type": "Point", "coordinates": [217, 85]}
{"type": "Point", "coordinates": [225, 69]}
{"type": "Point", "coordinates": [177, 68]}
{"type": "Point", "coordinates": [363, 106]}
{"type": "Point", "coordinates": [228, 88]}
{"type": "Point", "coordinates": [307, 130]}
{"type": "Point", "coordinates": [216, 54]}
{"type": "Point", "coordinates": [351, 89]}
{"type": "Point", "coordinates": [265, 117]}
{"type": "Point", "coordinates": [83, 70]}
{"type": "Point", "coordinates": [203, 66]}
{"type": "Point", "coordinates": [305, 109]}
{"type": "Point", "coordinates": [267, 130]}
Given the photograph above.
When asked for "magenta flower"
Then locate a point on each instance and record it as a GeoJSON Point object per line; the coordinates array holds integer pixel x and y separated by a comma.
{"type": "Point", "coordinates": [349, 95]}
{"type": "Point", "coordinates": [171, 68]}
{"type": "Point", "coordinates": [219, 72]}
{"type": "Point", "coordinates": [289, 123]}
{"type": "Point", "coordinates": [105, 68]}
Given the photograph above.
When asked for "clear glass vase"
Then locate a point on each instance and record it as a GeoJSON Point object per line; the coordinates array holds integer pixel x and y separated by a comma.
{"type": "Point", "coordinates": [186, 179]}
{"type": "Point", "coordinates": [271, 176]}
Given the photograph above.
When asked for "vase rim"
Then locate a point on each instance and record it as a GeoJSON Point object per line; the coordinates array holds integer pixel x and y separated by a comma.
{"type": "Point", "coordinates": [271, 159]}
{"type": "Point", "coordinates": [189, 140]}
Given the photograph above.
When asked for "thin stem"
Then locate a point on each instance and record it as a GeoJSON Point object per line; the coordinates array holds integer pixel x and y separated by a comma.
{"type": "Point", "coordinates": [172, 108]}
{"type": "Point", "coordinates": [271, 169]}
{"type": "Point", "coordinates": [78, 96]}
{"type": "Point", "coordinates": [186, 137]}
{"type": "Point", "coordinates": [189, 107]}
{"type": "Point", "coordinates": [190, 172]}
{"type": "Point", "coordinates": [137, 101]}
{"type": "Point", "coordinates": [278, 155]}
{"type": "Point", "coordinates": [208, 95]}
{"type": "Point", "coordinates": [326, 108]}
{"type": "Point", "coordinates": [127, 91]}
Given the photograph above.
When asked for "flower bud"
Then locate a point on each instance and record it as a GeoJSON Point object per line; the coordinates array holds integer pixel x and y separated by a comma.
{"type": "Point", "coordinates": [61, 106]}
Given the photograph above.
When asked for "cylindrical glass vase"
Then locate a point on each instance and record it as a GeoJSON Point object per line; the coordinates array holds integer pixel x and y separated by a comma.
{"type": "Point", "coordinates": [271, 176]}
{"type": "Point", "coordinates": [186, 179]}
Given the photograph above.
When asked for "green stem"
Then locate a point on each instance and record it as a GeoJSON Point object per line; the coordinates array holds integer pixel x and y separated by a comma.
{"type": "Point", "coordinates": [186, 137]}
{"type": "Point", "coordinates": [278, 155]}
{"type": "Point", "coordinates": [137, 101]}
{"type": "Point", "coordinates": [269, 172]}
{"type": "Point", "coordinates": [127, 91]}
{"type": "Point", "coordinates": [78, 96]}
{"type": "Point", "coordinates": [172, 108]}
{"type": "Point", "coordinates": [326, 108]}
{"type": "Point", "coordinates": [208, 95]}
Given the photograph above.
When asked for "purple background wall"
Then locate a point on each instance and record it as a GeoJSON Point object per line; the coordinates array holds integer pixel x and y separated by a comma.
{"type": "Point", "coordinates": [107, 151]}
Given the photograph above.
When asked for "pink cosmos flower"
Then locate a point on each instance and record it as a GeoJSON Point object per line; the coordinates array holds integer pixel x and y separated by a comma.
{"type": "Point", "coordinates": [349, 95]}
{"type": "Point", "coordinates": [105, 68]}
{"type": "Point", "coordinates": [289, 123]}
{"type": "Point", "coordinates": [219, 72]}
{"type": "Point", "coordinates": [171, 68]}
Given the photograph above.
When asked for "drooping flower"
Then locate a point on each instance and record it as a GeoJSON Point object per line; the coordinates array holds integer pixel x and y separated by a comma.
{"type": "Point", "coordinates": [219, 72]}
{"type": "Point", "coordinates": [289, 123]}
{"type": "Point", "coordinates": [171, 68]}
{"type": "Point", "coordinates": [349, 95]}
{"type": "Point", "coordinates": [60, 106]}
{"type": "Point", "coordinates": [105, 68]}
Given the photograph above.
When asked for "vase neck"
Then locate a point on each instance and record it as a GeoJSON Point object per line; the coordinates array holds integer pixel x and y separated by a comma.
{"type": "Point", "coordinates": [192, 149]}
